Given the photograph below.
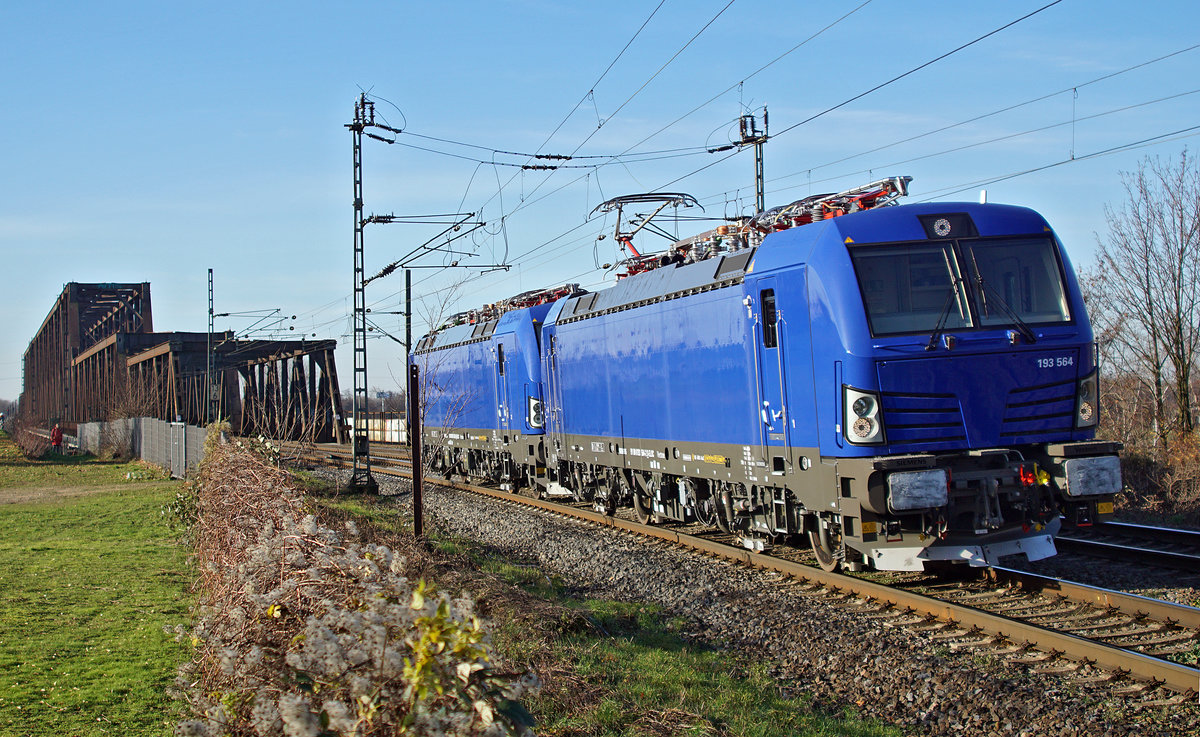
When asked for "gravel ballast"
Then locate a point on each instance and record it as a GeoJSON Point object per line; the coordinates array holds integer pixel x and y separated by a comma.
{"type": "Point", "coordinates": [812, 642]}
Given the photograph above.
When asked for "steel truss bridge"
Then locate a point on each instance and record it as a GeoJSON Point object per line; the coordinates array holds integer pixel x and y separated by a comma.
{"type": "Point", "coordinates": [96, 357]}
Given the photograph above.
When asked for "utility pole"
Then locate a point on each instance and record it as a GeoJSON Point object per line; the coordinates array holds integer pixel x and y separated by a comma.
{"type": "Point", "coordinates": [751, 135]}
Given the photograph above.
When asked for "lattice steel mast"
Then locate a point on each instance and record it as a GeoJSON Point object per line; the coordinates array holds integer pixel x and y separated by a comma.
{"type": "Point", "coordinates": [361, 478]}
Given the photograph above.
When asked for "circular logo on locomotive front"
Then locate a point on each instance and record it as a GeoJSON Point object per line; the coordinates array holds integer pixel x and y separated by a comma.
{"type": "Point", "coordinates": [941, 226]}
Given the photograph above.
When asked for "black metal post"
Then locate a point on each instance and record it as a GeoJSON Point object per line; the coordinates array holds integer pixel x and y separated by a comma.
{"type": "Point", "coordinates": [208, 356]}
{"type": "Point", "coordinates": [760, 196]}
{"type": "Point", "coordinates": [408, 311]}
{"type": "Point", "coordinates": [414, 423]}
{"type": "Point", "coordinates": [751, 135]}
{"type": "Point", "coordinates": [408, 342]}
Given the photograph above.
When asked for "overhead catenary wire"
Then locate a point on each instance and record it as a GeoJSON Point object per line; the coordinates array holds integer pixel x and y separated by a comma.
{"type": "Point", "coordinates": [623, 104]}
{"type": "Point", "coordinates": [611, 64]}
{"type": "Point", "coordinates": [548, 245]}
{"type": "Point", "coordinates": [527, 155]}
{"type": "Point", "coordinates": [619, 158]}
{"type": "Point", "coordinates": [526, 201]}
{"type": "Point", "coordinates": [1132, 145]}
{"type": "Point", "coordinates": [753, 74]}
{"type": "Point", "coordinates": [849, 100]}
{"type": "Point", "coordinates": [1175, 135]}
{"type": "Point", "coordinates": [606, 159]}
{"type": "Point", "coordinates": [589, 93]}
{"type": "Point", "coordinates": [916, 69]}
{"type": "Point", "coordinates": [500, 189]}
{"type": "Point", "coordinates": [993, 113]}
{"type": "Point", "coordinates": [976, 144]}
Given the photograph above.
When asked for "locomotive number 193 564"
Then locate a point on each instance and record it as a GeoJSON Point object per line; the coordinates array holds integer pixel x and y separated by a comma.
{"type": "Point", "coordinates": [1056, 361]}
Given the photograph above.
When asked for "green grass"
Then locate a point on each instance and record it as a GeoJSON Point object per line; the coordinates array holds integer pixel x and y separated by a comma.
{"type": "Point", "coordinates": [650, 680]}
{"type": "Point", "coordinates": [16, 471]}
{"type": "Point", "coordinates": [86, 584]}
{"type": "Point", "coordinates": [637, 674]}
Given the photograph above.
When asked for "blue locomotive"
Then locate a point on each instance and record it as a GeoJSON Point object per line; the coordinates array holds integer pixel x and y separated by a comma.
{"type": "Point", "coordinates": [904, 385]}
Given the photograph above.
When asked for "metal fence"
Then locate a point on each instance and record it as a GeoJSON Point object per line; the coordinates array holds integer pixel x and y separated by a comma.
{"type": "Point", "coordinates": [171, 445]}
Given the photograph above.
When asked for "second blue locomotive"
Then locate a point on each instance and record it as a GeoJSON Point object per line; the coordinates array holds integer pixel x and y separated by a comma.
{"type": "Point", "coordinates": [903, 386]}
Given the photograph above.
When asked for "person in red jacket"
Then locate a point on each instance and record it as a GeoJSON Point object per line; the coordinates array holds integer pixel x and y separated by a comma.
{"type": "Point", "coordinates": [56, 438]}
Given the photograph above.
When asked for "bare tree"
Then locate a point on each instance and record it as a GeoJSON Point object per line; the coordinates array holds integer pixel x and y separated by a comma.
{"type": "Point", "coordinates": [1146, 291]}
{"type": "Point", "coordinates": [125, 401]}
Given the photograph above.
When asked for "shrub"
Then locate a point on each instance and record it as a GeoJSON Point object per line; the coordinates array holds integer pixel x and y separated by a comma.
{"type": "Point", "coordinates": [32, 445]}
{"type": "Point", "coordinates": [1181, 481]}
{"type": "Point", "coordinates": [304, 631]}
{"type": "Point", "coordinates": [1163, 484]}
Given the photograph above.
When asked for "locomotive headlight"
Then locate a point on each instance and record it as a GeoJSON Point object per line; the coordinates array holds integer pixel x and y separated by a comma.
{"type": "Point", "coordinates": [862, 428]}
{"type": "Point", "coordinates": [1086, 413]}
{"type": "Point", "coordinates": [910, 490]}
{"type": "Point", "coordinates": [863, 425]}
{"type": "Point", "coordinates": [534, 415]}
{"type": "Point", "coordinates": [1087, 394]}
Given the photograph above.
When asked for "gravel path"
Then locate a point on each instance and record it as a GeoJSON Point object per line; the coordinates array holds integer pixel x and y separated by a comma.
{"type": "Point", "coordinates": [814, 644]}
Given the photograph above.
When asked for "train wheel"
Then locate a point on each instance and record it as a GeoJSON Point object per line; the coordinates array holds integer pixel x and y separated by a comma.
{"type": "Point", "coordinates": [702, 503]}
{"type": "Point", "coordinates": [825, 547]}
{"type": "Point", "coordinates": [724, 510]}
{"type": "Point", "coordinates": [642, 508]}
{"type": "Point", "coordinates": [645, 490]}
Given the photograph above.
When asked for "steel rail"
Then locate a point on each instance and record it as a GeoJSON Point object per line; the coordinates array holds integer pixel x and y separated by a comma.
{"type": "Point", "coordinates": [1168, 535]}
{"type": "Point", "coordinates": [1146, 668]}
{"type": "Point", "coordinates": [1083, 542]}
{"type": "Point", "coordinates": [1131, 604]}
{"type": "Point", "coordinates": [1117, 551]}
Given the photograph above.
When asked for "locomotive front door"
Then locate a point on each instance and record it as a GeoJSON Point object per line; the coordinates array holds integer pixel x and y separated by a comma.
{"type": "Point", "coordinates": [553, 411]}
{"type": "Point", "coordinates": [772, 391]}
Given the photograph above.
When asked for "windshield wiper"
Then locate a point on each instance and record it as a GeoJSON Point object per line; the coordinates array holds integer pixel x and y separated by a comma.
{"type": "Point", "coordinates": [940, 325]}
{"type": "Point", "coordinates": [954, 296]}
{"type": "Point", "coordinates": [1021, 325]}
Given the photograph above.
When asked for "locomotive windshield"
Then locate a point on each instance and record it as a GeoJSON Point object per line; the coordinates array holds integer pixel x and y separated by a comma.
{"type": "Point", "coordinates": [926, 287]}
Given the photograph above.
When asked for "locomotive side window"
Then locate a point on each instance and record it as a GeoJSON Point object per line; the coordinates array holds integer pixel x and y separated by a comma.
{"type": "Point", "coordinates": [909, 289]}
{"type": "Point", "coordinates": [500, 358]}
{"type": "Point", "coordinates": [1024, 275]}
{"type": "Point", "coordinates": [769, 318]}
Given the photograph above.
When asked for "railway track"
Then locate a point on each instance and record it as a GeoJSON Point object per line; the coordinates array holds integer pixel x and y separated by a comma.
{"type": "Point", "coordinates": [1159, 546]}
{"type": "Point", "coordinates": [1050, 624]}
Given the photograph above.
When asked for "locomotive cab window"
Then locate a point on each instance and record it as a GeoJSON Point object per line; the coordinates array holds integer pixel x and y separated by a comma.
{"type": "Point", "coordinates": [986, 283]}
{"type": "Point", "coordinates": [769, 318]}
{"type": "Point", "coordinates": [910, 289]}
{"type": "Point", "coordinates": [500, 358]}
{"type": "Point", "coordinates": [1021, 277]}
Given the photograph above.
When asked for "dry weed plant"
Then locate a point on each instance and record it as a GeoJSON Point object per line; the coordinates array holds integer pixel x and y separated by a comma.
{"type": "Point", "coordinates": [303, 631]}
{"type": "Point", "coordinates": [32, 445]}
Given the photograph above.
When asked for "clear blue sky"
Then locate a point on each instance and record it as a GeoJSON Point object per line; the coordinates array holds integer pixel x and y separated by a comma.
{"type": "Point", "coordinates": [153, 141]}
